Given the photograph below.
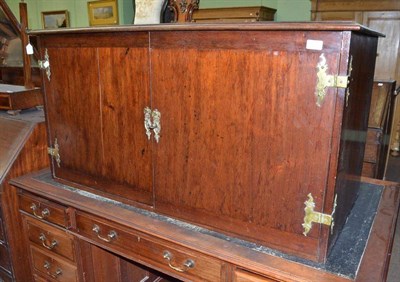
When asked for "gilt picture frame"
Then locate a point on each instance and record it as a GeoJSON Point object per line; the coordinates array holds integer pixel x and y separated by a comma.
{"type": "Point", "coordinates": [104, 12]}
{"type": "Point", "coordinates": [55, 19]}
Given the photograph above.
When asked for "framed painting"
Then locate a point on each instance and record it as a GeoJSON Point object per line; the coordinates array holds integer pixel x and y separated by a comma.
{"type": "Point", "coordinates": [103, 12]}
{"type": "Point", "coordinates": [55, 19]}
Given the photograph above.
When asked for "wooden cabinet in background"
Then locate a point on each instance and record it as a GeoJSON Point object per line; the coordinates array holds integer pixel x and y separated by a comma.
{"type": "Point", "coordinates": [234, 15]}
{"type": "Point", "coordinates": [379, 126]}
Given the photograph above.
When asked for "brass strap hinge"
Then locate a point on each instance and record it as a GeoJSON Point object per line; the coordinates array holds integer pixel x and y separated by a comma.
{"type": "Point", "coordinates": [45, 64]}
{"type": "Point", "coordinates": [55, 152]}
{"type": "Point", "coordinates": [325, 80]}
{"type": "Point", "coordinates": [312, 216]}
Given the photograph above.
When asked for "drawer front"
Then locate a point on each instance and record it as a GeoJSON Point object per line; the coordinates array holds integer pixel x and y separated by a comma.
{"type": "Point", "coordinates": [50, 238]}
{"type": "Point", "coordinates": [181, 261]}
{"type": "Point", "coordinates": [162, 255]}
{"type": "Point", "coordinates": [5, 102]}
{"type": "Point", "coordinates": [110, 235]}
{"type": "Point", "coordinates": [371, 153]}
{"type": "Point", "coordinates": [4, 257]}
{"type": "Point", "coordinates": [51, 267]}
{"type": "Point", "coordinates": [245, 276]}
{"type": "Point", "coordinates": [44, 210]}
{"type": "Point", "coordinates": [368, 170]}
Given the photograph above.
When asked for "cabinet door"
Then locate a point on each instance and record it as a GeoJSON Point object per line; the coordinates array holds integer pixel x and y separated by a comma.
{"type": "Point", "coordinates": [95, 98]}
{"type": "Point", "coordinates": [243, 141]}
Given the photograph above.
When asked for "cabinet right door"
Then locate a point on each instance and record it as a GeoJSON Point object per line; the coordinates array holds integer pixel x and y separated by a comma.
{"type": "Point", "coordinates": [243, 141]}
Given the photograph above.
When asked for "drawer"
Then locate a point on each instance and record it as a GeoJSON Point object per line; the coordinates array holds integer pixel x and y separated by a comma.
{"type": "Point", "coordinates": [368, 170]}
{"type": "Point", "coordinates": [44, 210]}
{"type": "Point", "coordinates": [50, 238]}
{"type": "Point", "coordinates": [4, 257]}
{"type": "Point", "coordinates": [245, 276]}
{"type": "Point", "coordinates": [158, 254]}
{"type": "Point", "coordinates": [371, 153]}
{"type": "Point", "coordinates": [52, 267]}
{"type": "Point", "coordinates": [180, 261]}
{"type": "Point", "coordinates": [111, 235]}
{"type": "Point", "coordinates": [5, 102]}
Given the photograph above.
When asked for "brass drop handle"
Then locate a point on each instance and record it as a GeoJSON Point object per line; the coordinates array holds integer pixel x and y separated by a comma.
{"type": "Point", "coordinates": [110, 236]}
{"type": "Point", "coordinates": [45, 213]}
{"type": "Point", "coordinates": [47, 266]}
{"type": "Point", "coordinates": [43, 238]}
{"type": "Point", "coordinates": [187, 265]}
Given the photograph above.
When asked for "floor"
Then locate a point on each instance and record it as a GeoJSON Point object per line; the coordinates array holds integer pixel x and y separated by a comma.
{"type": "Point", "coordinates": [393, 174]}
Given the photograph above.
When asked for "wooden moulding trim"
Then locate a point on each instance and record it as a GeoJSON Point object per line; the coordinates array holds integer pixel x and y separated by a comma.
{"type": "Point", "coordinates": [259, 26]}
{"type": "Point", "coordinates": [375, 263]}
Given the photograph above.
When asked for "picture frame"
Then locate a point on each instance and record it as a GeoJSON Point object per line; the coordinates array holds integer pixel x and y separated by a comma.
{"type": "Point", "coordinates": [104, 12]}
{"type": "Point", "coordinates": [55, 19]}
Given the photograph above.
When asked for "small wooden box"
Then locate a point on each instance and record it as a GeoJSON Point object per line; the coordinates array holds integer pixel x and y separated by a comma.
{"type": "Point", "coordinates": [234, 15]}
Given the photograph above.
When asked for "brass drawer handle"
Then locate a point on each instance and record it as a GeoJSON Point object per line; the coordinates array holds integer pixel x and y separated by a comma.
{"type": "Point", "coordinates": [110, 236]}
{"type": "Point", "coordinates": [47, 266]}
{"type": "Point", "coordinates": [188, 264]}
{"type": "Point", "coordinates": [43, 238]}
{"type": "Point", "coordinates": [45, 213]}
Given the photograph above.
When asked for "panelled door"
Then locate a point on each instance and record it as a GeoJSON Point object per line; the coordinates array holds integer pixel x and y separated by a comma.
{"type": "Point", "coordinates": [243, 140]}
{"type": "Point", "coordinates": [95, 112]}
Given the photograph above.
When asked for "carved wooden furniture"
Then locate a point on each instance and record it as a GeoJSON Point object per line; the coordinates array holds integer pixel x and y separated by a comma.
{"type": "Point", "coordinates": [234, 15]}
{"type": "Point", "coordinates": [379, 127]}
{"type": "Point", "coordinates": [22, 149]}
{"type": "Point", "coordinates": [181, 11]}
{"type": "Point", "coordinates": [266, 159]}
{"type": "Point", "coordinates": [79, 236]}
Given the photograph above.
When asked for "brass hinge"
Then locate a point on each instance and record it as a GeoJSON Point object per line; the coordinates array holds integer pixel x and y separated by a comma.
{"type": "Point", "coordinates": [55, 152]}
{"type": "Point", "coordinates": [45, 64]}
{"type": "Point", "coordinates": [325, 80]}
{"type": "Point", "coordinates": [312, 216]}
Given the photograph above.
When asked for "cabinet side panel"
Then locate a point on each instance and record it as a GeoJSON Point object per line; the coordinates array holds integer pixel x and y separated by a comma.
{"type": "Point", "coordinates": [354, 126]}
{"type": "Point", "coordinates": [243, 140]}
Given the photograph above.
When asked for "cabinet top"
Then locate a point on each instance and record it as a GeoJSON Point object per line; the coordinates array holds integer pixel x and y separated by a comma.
{"type": "Point", "coordinates": [258, 26]}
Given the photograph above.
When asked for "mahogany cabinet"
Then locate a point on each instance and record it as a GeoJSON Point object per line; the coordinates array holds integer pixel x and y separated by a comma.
{"type": "Point", "coordinates": [251, 130]}
{"type": "Point", "coordinates": [74, 235]}
{"type": "Point", "coordinates": [23, 148]}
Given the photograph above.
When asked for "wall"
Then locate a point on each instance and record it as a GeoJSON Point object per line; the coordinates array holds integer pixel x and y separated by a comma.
{"type": "Point", "coordinates": [78, 12]}
{"type": "Point", "coordinates": [287, 10]}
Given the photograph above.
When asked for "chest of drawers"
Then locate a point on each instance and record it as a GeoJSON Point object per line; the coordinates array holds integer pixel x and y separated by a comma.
{"type": "Point", "coordinates": [111, 240]}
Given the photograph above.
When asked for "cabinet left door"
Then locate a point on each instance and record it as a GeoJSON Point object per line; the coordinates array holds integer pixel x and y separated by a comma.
{"type": "Point", "coordinates": [95, 92]}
